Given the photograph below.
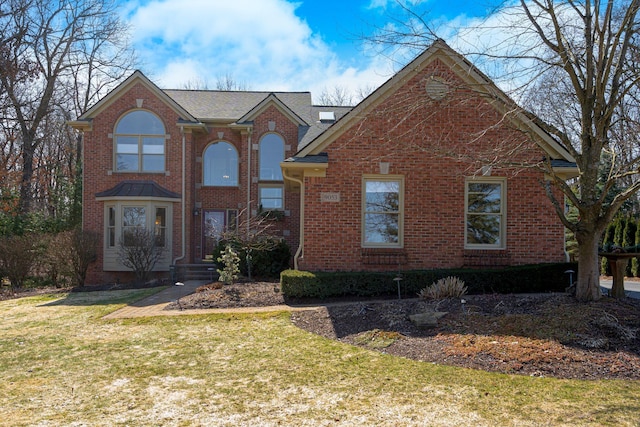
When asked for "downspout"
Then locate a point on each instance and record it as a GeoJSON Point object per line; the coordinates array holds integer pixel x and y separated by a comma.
{"type": "Point", "coordinates": [300, 251]}
{"type": "Point", "coordinates": [184, 203]}
{"type": "Point", "coordinates": [249, 182]}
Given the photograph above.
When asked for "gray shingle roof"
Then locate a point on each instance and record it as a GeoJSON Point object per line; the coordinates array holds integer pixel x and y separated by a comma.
{"type": "Point", "coordinates": [229, 106]}
{"type": "Point", "coordinates": [314, 158]}
{"type": "Point", "coordinates": [138, 189]}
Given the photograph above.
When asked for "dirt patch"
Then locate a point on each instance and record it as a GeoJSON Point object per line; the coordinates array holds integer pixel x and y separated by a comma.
{"type": "Point", "coordinates": [538, 335]}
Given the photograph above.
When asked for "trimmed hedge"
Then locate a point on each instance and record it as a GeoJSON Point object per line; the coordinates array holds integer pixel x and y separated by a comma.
{"type": "Point", "coordinates": [519, 279]}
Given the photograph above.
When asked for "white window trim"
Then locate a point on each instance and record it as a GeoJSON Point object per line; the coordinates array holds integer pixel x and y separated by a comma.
{"type": "Point", "coordinates": [503, 212]}
{"type": "Point", "coordinates": [110, 258]}
{"type": "Point", "coordinates": [376, 177]}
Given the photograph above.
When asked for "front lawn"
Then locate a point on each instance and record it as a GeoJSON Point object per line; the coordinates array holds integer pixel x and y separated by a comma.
{"type": "Point", "coordinates": [62, 364]}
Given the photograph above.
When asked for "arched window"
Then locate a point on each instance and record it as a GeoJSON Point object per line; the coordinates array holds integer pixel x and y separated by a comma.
{"type": "Point", "coordinates": [140, 138]}
{"type": "Point", "coordinates": [220, 165]}
{"type": "Point", "coordinates": [271, 154]}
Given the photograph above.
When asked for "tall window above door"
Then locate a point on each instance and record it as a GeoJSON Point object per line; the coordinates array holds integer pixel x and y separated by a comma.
{"type": "Point", "coordinates": [271, 154]}
{"type": "Point", "coordinates": [220, 165]}
{"type": "Point", "coordinates": [140, 143]}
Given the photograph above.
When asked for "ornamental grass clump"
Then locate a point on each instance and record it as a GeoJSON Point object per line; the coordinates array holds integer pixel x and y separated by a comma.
{"type": "Point", "coordinates": [447, 287]}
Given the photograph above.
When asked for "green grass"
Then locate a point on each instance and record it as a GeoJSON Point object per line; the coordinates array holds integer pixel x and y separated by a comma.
{"type": "Point", "coordinates": [62, 364]}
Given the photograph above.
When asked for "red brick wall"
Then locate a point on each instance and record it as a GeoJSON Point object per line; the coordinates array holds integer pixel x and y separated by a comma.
{"type": "Point", "coordinates": [98, 160]}
{"type": "Point", "coordinates": [435, 145]}
{"type": "Point", "coordinates": [222, 198]}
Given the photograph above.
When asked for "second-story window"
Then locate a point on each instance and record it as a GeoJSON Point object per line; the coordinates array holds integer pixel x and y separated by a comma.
{"type": "Point", "coordinates": [271, 154]}
{"type": "Point", "coordinates": [140, 143]}
{"type": "Point", "coordinates": [220, 165]}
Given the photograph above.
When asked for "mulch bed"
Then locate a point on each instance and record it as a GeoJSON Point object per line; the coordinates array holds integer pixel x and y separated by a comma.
{"type": "Point", "coordinates": [539, 335]}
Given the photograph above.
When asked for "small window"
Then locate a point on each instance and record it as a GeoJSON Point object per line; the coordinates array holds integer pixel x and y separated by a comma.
{"type": "Point", "coordinates": [140, 143]}
{"type": "Point", "coordinates": [271, 154]}
{"type": "Point", "coordinates": [220, 165]}
{"type": "Point", "coordinates": [485, 214]}
{"type": "Point", "coordinates": [382, 212]}
{"type": "Point", "coordinates": [161, 227]}
{"type": "Point", "coordinates": [111, 226]}
{"type": "Point", "coordinates": [271, 197]}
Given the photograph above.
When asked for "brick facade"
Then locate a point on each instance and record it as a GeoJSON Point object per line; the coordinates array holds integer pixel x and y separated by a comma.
{"type": "Point", "coordinates": [99, 175]}
{"type": "Point", "coordinates": [434, 137]}
{"type": "Point", "coordinates": [434, 146]}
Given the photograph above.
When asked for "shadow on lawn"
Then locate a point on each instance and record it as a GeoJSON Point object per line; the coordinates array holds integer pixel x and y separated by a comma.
{"type": "Point", "coordinates": [104, 295]}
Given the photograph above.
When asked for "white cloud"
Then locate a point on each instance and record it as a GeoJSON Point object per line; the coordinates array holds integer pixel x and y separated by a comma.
{"type": "Point", "coordinates": [261, 44]}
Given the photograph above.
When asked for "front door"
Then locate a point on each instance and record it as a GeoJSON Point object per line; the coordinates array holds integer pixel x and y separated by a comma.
{"type": "Point", "coordinates": [215, 223]}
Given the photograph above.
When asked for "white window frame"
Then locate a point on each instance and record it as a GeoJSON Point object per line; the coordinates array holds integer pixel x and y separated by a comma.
{"type": "Point", "coordinates": [400, 213]}
{"type": "Point", "coordinates": [207, 166]}
{"type": "Point", "coordinates": [141, 146]}
{"type": "Point", "coordinates": [502, 238]}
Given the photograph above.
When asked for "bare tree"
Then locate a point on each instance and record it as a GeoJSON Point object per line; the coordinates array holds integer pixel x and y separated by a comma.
{"type": "Point", "coordinates": [576, 65]}
{"type": "Point", "coordinates": [251, 235]}
{"type": "Point", "coordinates": [49, 50]}
{"type": "Point", "coordinates": [140, 249]}
{"type": "Point", "coordinates": [227, 82]}
{"type": "Point", "coordinates": [338, 96]}
{"type": "Point", "coordinates": [341, 96]}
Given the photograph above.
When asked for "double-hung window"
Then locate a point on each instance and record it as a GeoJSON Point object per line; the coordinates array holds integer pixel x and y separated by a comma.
{"type": "Point", "coordinates": [382, 211]}
{"type": "Point", "coordinates": [485, 217]}
{"type": "Point", "coordinates": [140, 143]}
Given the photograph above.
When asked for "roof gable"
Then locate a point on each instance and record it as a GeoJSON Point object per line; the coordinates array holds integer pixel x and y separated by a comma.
{"type": "Point", "coordinates": [272, 99]}
{"type": "Point", "coordinates": [467, 72]}
{"type": "Point", "coordinates": [136, 78]}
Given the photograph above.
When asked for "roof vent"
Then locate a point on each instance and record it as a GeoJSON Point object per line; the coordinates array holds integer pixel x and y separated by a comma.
{"type": "Point", "coordinates": [327, 116]}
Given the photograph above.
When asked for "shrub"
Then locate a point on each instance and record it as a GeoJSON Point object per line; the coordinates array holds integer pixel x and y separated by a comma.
{"type": "Point", "coordinates": [140, 250]}
{"type": "Point", "coordinates": [447, 287]}
{"type": "Point", "coordinates": [18, 255]}
{"type": "Point", "coordinates": [230, 261]}
{"type": "Point", "coordinates": [83, 250]}
{"type": "Point", "coordinates": [518, 279]}
{"type": "Point", "coordinates": [264, 263]}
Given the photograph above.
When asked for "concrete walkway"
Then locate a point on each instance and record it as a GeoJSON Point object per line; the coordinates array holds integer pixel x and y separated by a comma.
{"type": "Point", "coordinates": [631, 286]}
{"type": "Point", "coordinates": [154, 305]}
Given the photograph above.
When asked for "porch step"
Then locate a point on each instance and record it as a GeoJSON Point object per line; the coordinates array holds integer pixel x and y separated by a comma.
{"type": "Point", "coordinates": [200, 271]}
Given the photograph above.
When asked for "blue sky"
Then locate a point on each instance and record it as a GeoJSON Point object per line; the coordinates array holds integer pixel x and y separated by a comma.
{"type": "Point", "coordinates": [303, 45]}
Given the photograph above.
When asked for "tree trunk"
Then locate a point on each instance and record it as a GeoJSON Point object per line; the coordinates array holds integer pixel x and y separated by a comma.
{"type": "Point", "coordinates": [26, 193]}
{"type": "Point", "coordinates": [588, 286]}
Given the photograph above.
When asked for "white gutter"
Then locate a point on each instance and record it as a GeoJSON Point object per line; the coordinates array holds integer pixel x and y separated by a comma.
{"type": "Point", "coordinates": [300, 251]}
{"type": "Point", "coordinates": [184, 190]}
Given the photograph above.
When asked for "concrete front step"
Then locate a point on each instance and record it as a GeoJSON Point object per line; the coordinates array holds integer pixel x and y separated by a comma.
{"type": "Point", "coordinates": [201, 271]}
